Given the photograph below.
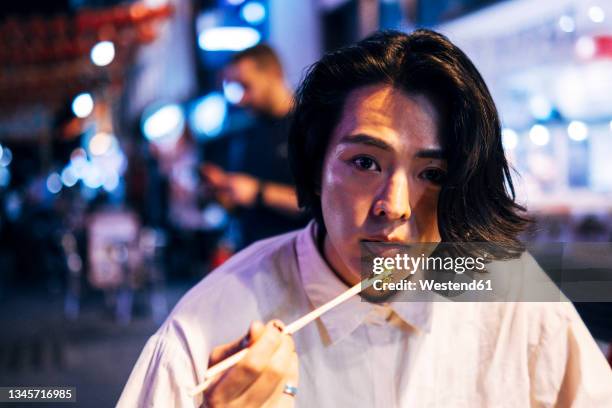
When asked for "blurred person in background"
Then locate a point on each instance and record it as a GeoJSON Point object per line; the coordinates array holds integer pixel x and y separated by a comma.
{"type": "Point", "coordinates": [254, 179]}
{"type": "Point", "coordinates": [393, 139]}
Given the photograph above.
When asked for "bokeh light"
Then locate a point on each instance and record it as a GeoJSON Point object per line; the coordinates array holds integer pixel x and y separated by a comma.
{"type": "Point", "coordinates": [83, 105]}
{"type": "Point", "coordinates": [69, 176]}
{"type": "Point", "coordinates": [540, 107]}
{"type": "Point", "coordinates": [209, 114]}
{"type": "Point", "coordinates": [54, 183]}
{"type": "Point", "coordinates": [539, 135]}
{"type": "Point", "coordinates": [567, 24]}
{"type": "Point", "coordinates": [577, 130]}
{"type": "Point", "coordinates": [233, 91]}
{"type": "Point", "coordinates": [6, 158]}
{"type": "Point", "coordinates": [596, 14]}
{"type": "Point", "coordinates": [101, 143]}
{"type": "Point", "coordinates": [253, 12]}
{"type": "Point", "coordinates": [103, 53]}
{"type": "Point", "coordinates": [164, 125]}
{"type": "Point", "coordinates": [228, 38]}
{"type": "Point", "coordinates": [509, 139]}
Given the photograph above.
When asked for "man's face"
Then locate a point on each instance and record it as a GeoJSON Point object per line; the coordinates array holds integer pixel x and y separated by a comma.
{"type": "Point", "coordinates": [381, 175]}
{"type": "Point", "coordinates": [256, 83]}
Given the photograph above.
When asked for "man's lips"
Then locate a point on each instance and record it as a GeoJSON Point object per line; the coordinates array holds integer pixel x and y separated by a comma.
{"type": "Point", "coordinates": [391, 240]}
{"type": "Point", "coordinates": [382, 246]}
{"type": "Point", "coordinates": [387, 245]}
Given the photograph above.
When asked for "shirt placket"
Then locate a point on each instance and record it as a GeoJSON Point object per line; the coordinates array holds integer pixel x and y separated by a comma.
{"type": "Point", "coordinates": [379, 336]}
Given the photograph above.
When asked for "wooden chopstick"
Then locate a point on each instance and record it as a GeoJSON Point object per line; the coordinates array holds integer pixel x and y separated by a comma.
{"type": "Point", "coordinates": [289, 329]}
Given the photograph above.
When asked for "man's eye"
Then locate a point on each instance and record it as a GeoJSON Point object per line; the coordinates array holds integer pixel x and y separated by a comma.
{"type": "Point", "coordinates": [365, 163]}
{"type": "Point", "coordinates": [436, 176]}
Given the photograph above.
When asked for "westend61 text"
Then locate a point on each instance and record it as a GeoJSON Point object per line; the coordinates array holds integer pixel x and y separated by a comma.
{"type": "Point", "coordinates": [428, 284]}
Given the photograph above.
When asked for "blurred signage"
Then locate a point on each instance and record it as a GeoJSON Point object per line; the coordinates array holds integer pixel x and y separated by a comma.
{"type": "Point", "coordinates": [603, 46]}
{"type": "Point", "coordinates": [432, 12]}
{"type": "Point", "coordinates": [112, 239]}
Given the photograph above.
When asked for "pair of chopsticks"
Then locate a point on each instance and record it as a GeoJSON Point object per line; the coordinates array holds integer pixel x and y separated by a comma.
{"type": "Point", "coordinates": [289, 329]}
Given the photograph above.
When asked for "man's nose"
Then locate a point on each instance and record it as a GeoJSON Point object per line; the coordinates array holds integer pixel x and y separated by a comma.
{"type": "Point", "coordinates": [393, 202]}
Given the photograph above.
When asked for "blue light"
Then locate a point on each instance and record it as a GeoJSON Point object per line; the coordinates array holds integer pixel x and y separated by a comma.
{"type": "Point", "coordinates": [6, 158]}
{"type": "Point", "coordinates": [54, 183]}
{"type": "Point", "coordinates": [214, 216]}
{"type": "Point", "coordinates": [5, 177]}
{"type": "Point", "coordinates": [93, 177]}
{"type": "Point", "coordinates": [13, 206]}
{"type": "Point", "coordinates": [228, 38]}
{"type": "Point", "coordinates": [540, 107]}
{"type": "Point", "coordinates": [78, 162]}
{"type": "Point", "coordinates": [209, 114]}
{"type": "Point", "coordinates": [253, 12]}
{"type": "Point", "coordinates": [69, 176]}
{"type": "Point", "coordinates": [111, 181]}
{"type": "Point", "coordinates": [567, 24]}
{"type": "Point", "coordinates": [164, 125]}
{"type": "Point", "coordinates": [233, 92]}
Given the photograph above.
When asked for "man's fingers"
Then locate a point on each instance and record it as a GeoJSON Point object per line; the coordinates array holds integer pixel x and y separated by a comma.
{"type": "Point", "coordinates": [273, 377]}
{"type": "Point", "coordinates": [213, 174]}
{"type": "Point", "coordinates": [282, 400]}
{"type": "Point", "coordinates": [242, 375]}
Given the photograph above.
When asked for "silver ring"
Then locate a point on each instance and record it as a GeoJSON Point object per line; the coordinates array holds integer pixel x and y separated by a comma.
{"type": "Point", "coordinates": [290, 390]}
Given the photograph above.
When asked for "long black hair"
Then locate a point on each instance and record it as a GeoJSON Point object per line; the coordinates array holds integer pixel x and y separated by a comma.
{"type": "Point", "coordinates": [477, 199]}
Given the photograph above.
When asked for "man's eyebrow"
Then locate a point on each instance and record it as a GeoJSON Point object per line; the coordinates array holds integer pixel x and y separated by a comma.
{"type": "Point", "coordinates": [381, 144]}
{"type": "Point", "coordinates": [367, 140]}
{"type": "Point", "coordinates": [430, 154]}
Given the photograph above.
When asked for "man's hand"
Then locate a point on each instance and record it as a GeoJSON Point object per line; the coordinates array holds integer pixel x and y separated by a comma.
{"type": "Point", "coordinates": [259, 378]}
{"type": "Point", "coordinates": [240, 189]}
{"type": "Point", "coordinates": [231, 189]}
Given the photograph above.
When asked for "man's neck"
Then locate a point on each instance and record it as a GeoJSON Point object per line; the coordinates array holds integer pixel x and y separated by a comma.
{"type": "Point", "coordinates": [324, 246]}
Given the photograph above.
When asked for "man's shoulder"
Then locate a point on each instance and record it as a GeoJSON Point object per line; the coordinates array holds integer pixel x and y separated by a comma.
{"type": "Point", "coordinates": [261, 269]}
{"type": "Point", "coordinates": [535, 320]}
{"type": "Point", "coordinates": [254, 284]}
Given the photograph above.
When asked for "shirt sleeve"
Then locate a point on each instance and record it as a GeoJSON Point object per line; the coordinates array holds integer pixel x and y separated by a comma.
{"type": "Point", "coordinates": [162, 376]}
{"type": "Point", "coordinates": [570, 370]}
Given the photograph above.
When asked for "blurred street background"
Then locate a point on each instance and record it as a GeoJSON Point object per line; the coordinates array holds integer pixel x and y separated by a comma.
{"type": "Point", "coordinates": [136, 136]}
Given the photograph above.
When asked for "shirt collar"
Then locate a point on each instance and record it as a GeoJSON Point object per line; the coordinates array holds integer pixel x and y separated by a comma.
{"type": "Point", "coordinates": [322, 285]}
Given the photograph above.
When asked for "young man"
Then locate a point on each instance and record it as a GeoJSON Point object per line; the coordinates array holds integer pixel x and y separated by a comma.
{"type": "Point", "coordinates": [256, 178]}
{"type": "Point", "coordinates": [394, 139]}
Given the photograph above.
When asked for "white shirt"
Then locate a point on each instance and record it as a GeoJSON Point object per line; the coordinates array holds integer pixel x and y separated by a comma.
{"type": "Point", "coordinates": [366, 355]}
